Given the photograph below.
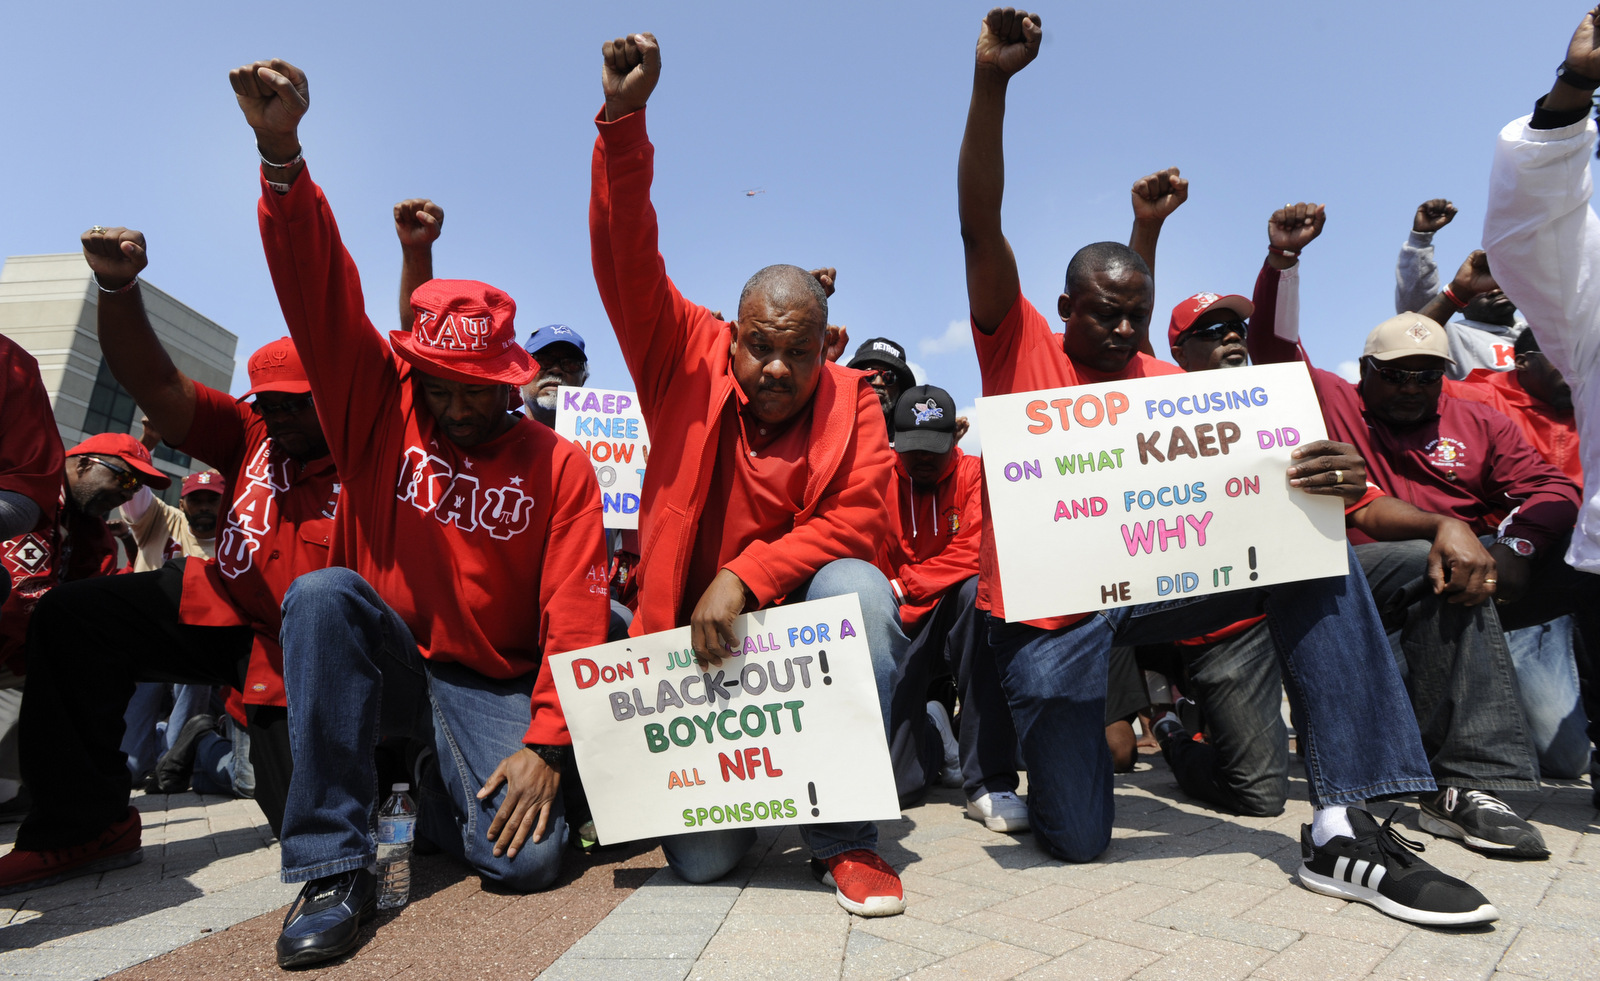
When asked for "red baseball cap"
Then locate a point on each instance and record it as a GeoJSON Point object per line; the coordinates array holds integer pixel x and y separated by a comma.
{"type": "Point", "coordinates": [1186, 313]}
{"type": "Point", "coordinates": [129, 451]}
{"type": "Point", "coordinates": [464, 332]}
{"type": "Point", "coordinates": [277, 368]}
{"type": "Point", "coordinates": [206, 480]}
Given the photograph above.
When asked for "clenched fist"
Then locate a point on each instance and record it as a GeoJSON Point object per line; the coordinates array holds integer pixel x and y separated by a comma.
{"type": "Point", "coordinates": [273, 95]}
{"type": "Point", "coordinates": [1433, 215]}
{"type": "Point", "coordinates": [630, 67]}
{"type": "Point", "coordinates": [1009, 40]}
{"type": "Point", "coordinates": [1295, 226]}
{"type": "Point", "coordinates": [1159, 195]}
{"type": "Point", "coordinates": [115, 255]}
{"type": "Point", "coordinates": [418, 222]}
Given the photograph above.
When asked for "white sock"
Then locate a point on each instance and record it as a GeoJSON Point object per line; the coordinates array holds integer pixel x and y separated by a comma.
{"type": "Point", "coordinates": [1330, 822]}
{"type": "Point", "coordinates": [9, 789]}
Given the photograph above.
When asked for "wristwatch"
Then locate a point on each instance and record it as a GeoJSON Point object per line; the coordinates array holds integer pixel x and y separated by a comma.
{"type": "Point", "coordinates": [1521, 546]}
{"type": "Point", "coordinates": [555, 757]}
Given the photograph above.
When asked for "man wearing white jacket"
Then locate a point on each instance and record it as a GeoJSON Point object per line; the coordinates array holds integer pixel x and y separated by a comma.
{"type": "Point", "coordinates": [1543, 242]}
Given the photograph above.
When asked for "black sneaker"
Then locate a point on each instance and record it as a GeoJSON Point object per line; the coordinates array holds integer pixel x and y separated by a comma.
{"type": "Point", "coordinates": [176, 766]}
{"type": "Point", "coordinates": [325, 920]}
{"type": "Point", "coordinates": [1377, 867]}
{"type": "Point", "coordinates": [1481, 822]}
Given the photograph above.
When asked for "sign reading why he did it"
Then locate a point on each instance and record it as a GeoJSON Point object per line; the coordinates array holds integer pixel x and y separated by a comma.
{"type": "Point", "coordinates": [1157, 488]}
{"type": "Point", "coordinates": [609, 427]}
{"type": "Point", "coordinates": [787, 731]}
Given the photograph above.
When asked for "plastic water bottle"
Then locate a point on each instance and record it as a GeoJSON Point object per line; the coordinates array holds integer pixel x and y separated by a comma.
{"type": "Point", "coordinates": [397, 829]}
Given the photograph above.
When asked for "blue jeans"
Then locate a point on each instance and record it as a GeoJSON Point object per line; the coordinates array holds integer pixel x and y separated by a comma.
{"type": "Point", "coordinates": [354, 676]}
{"type": "Point", "coordinates": [148, 737]}
{"type": "Point", "coordinates": [1330, 644]}
{"type": "Point", "coordinates": [1548, 675]}
{"type": "Point", "coordinates": [704, 856]}
{"type": "Point", "coordinates": [222, 762]}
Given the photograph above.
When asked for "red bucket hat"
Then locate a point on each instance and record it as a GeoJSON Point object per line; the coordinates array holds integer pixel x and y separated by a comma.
{"type": "Point", "coordinates": [129, 451]}
{"type": "Point", "coordinates": [1186, 313]}
{"type": "Point", "coordinates": [464, 332]}
{"type": "Point", "coordinates": [277, 368]}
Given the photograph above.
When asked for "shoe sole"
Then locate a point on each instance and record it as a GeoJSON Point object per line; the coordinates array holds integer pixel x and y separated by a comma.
{"type": "Point", "coordinates": [1441, 828]}
{"type": "Point", "coordinates": [107, 864]}
{"type": "Point", "coordinates": [874, 906]}
{"type": "Point", "coordinates": [316, 955]}
{"type": "Point", "coordinates": [1383, 904]}
{"type": "Point", "coordinates": [1000, 825]}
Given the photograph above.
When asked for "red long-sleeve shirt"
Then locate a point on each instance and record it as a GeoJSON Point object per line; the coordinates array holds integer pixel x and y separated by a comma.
{"type": "Point", "coordinates": [941, 533]}
{"type": "Point", "coordinates": [493, 556]}
{"type": "Point", "coordinates": [1468, 461]}
{"type": "Point", "coordinates": [1552, 431]}
{"type": "Point", "coordinates": [831, 504]}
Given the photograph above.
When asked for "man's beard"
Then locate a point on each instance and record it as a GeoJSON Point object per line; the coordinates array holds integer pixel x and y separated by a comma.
{"type": "Point", "coordinates": [547, 402]}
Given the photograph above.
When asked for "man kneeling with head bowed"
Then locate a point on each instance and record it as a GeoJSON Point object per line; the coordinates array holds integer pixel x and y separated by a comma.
{"type": "Point", "coordinates": [455, 515]}
{"type": "Point", "coordinates": [781, 460]}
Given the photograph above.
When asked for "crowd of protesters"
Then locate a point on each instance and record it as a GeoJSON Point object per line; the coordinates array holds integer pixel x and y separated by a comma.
{"type": "Point", "coordinates": [392, 539]}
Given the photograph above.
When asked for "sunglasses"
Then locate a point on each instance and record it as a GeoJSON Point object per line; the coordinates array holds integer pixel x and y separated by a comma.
{"type": "Point", "coordinates": [1216, 332]}
{"type": "Point", "coordinates": [1400, 376]}
{"type": "Point", "coordinates": [570, 366]}
{"type": "Point", "coordinates": [126, 479]}
{"type": "Point", "coordinates": [284, 407]}
{"type": "Point", "coordinates": [874, 374]}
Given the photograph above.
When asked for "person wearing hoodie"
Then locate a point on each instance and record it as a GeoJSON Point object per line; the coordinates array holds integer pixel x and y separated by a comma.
{"type": "Point", "coordinates": [932, 565]}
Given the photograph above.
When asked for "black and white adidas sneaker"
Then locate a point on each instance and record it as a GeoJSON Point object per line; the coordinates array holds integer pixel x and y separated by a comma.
{"type": "Point", "coordinates": [1481, 822]}
{"type": "Point", "coordinates": [1378, 867]}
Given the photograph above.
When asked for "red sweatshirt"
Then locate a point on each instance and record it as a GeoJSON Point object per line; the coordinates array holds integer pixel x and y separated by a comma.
{"type": "Point", "coordinates": [30, 445]}
{"type": "Point", "coordinates": [68, 546]}
{"type": "Point", "coordinates": [1552, 431]}
{"type": "Point", "coordinates": [1024, 354]}
{"type": "Point", "coordinates": [276, 528]}
{"type": "Point", "coordinates": [678, 354]}
{"type": "Point", "coordinates": [1468, 461]}
{"type": "Point", "coordinates": [941, 532]}
{"type": "Point", "coordinates": [457, 541]}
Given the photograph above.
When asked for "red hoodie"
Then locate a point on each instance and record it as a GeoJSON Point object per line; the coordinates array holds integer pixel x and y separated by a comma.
{"type": "Point", "coordinates": [941, 532]}
{"type": "Point", "coordinates": [1552, 431]}
{"type": "Point", "coordinates": [459, 542]}
{"type": "Point", "coordinates": [678, 354]}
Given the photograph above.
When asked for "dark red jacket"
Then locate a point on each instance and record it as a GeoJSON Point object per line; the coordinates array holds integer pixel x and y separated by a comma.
{"type": "Point", "coordinates": [68, 546]}
{"type": "Point", "coordinates": [678, 355]}
{"type": "Point", "coordinates": [941, 532]}
{"type": "Point", "coordinates": [493, 556]}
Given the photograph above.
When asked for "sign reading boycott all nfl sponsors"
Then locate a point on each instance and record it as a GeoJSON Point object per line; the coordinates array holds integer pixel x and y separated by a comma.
{"type": "Point", "coordinates": [610, 428]}
{"type": "Point", "coordinates": [1154, 489]}
{"type": "Point", "coordinates": [787, 731]}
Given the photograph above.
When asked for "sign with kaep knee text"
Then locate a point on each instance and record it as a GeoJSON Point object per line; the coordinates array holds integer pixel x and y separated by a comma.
{"type": "Point", "coordinates": [609, 428]}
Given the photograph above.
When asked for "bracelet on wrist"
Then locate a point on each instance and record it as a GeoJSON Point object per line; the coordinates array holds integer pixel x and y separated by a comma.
{"type": "Point", "coordinates": [124, 288]}
{"type": "Point", "coordinates": [1451, 296]}
{"type": "Point", "coordinates": [299, 155]}
{"type": "Point", "coordinates": [1565, 73]}
{"type": "Point", "coordinates": [1286, 253]}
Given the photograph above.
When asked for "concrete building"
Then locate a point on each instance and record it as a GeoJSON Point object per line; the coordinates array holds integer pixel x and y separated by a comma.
{"type": "Point", "coordinates": [48, 305]}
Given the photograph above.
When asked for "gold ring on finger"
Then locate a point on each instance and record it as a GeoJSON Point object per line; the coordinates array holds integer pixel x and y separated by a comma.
{"type": "Point", "coordinates": [98, 229]}
{"type": "Point", "coordinates": [1338, 476]}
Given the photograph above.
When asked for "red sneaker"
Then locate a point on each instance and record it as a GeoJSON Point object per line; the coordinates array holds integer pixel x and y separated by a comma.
{"type": "Point", "coordinates": [114, 848]}
{"type": "Point", "coordinates": [866, 885]}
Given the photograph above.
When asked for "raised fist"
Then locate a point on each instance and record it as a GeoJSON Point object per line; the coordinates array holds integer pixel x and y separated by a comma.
{"type": "Point", "coordinates": [836, 342]}
{"type": "Point", "coordinates": [1473, 277]}
{"type": "Point", "coordinates": [1583, 53]}
{"type": "Point", "coordinates": [418, 222]}
{"type": "Point", "coordinates": [1433, 215]}
{"type": "Point", "coordinates": [1009, 40]}
{"type": "Point", "coordinates": [273, 95]}
{"type": "Point", "coordinates": [115, 255]}
{"type": "Point", "coordinates": [1159, 195]}
{"type": "Point", "coordinates": [630, 67]}
{"type": "Point", "coordinates": [150, 435]}
{"type": "Point", "coordinates": [826, 277]}
{"type": "Point", "coordinates": [1295, 226]}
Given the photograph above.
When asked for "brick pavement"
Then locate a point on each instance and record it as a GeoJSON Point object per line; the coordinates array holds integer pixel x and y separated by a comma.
{"type": "Point", "coordinates": [1182, 893]}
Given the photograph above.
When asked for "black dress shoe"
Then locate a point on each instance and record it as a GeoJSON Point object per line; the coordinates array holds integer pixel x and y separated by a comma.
{"type": "Point", "coordinates": [326, 918]}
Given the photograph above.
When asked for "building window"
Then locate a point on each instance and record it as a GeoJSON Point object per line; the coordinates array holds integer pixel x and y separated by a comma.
{"type": "Point", "coordinates": [110, 407]}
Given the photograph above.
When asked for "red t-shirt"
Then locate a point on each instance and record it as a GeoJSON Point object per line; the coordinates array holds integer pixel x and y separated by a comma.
{"type": "Point", "coordinates": [940, 531]}
{"type": "Point", "coordinates": [1025, 355]}
{"type": "Point", "coordinates": [276, 529]}
{"type": "Point", "coordinates": [1552, 431]}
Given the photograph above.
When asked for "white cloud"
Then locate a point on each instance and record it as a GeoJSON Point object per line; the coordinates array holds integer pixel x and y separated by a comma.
{"type": "Point", "coordinates": [956, 337]}
{"type": "Point", "coordinates": [919, 373]}
{"type": "Point", "coordinates": [970, 443]}
{"type": "Point", "coordinates": [1350, 371]}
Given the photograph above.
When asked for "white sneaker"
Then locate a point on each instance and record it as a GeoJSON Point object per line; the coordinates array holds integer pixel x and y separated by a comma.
{"type": "Point", "coordinates": [1000, 811]}
{"type": "Point", "coordinates": [950, 776]}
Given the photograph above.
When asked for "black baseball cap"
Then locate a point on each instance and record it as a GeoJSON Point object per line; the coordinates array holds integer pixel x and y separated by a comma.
{"type": "Point", "coordinates": [925, 419]}
{"type": "Point", "coordinates": [881, 350]}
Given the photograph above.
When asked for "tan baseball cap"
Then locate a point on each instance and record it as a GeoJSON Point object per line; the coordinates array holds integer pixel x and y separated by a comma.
{"type": "Point", "coordinates": [1407, 335]}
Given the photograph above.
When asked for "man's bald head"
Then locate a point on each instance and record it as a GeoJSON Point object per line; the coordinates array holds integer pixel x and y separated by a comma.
{"type": "Point", "coordinates": [1101, 257]}
{"type": "Point", "coordinates": [786, 287]}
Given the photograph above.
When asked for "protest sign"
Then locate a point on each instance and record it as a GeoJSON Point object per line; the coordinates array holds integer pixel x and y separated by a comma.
{"type": "Point", "coordinates": [787, 731]}
{"type": "Point", "coordinates": [610, 428]}
{"type": "Point", "coordinates": [1154, 489]}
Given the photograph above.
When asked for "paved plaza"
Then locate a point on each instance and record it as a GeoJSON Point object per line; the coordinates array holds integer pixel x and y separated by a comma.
{"type": "Point", "coordinates": [1182, 893]}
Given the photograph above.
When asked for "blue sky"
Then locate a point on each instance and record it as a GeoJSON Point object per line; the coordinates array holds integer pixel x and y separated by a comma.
{"type": "Point", "coordinates": [848, 114]}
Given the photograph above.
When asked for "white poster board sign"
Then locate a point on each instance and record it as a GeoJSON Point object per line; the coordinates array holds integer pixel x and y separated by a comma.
{"type": "Point", "coordinates": [609, 427]}
{"type": "Point", "coordinates": [786, 732]}
{"type": "Point", "coordinates": [1154, 489]}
